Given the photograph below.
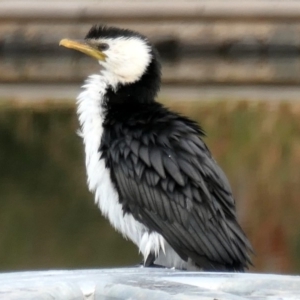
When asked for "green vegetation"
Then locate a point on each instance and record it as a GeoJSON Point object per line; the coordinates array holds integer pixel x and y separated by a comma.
{"type": "Point", "coordinates": [48, 218]}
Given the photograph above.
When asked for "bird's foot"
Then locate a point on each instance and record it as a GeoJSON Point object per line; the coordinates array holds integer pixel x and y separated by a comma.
{"type": "Point", "coordinates": [156, 266]}
{"type": "Point", "coordinates": [150, 265]}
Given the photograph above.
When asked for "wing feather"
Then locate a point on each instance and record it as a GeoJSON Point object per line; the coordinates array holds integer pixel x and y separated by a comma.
{"type": "Point", "coordinates": [144, 155]}
{"type": "Point", "coordinates": [171, 183]}
{"type": "Point", "coordinates": [173, 170]}
{"type": "Point", "coordinates": [156, 161]}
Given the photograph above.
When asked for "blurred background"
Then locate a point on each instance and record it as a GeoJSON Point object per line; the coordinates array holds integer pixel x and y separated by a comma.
{"type": "Point", "coordinates": [233, 66]}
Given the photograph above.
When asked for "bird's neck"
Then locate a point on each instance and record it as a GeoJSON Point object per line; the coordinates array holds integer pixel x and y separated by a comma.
{"type": "Point", "coordinates": [102, 92]}
{"type": "Point", "coordinates": [142, 91]}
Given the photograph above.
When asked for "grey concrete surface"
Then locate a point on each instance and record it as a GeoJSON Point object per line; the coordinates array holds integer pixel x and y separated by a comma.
{"type": "Point", "coordinates": [143, 283]}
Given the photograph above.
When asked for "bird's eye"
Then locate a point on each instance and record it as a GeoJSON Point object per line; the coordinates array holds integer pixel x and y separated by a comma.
{"type": "Point", "coordinates": [103, 47]}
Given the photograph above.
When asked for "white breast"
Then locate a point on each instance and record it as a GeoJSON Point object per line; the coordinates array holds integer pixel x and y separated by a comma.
{"type": "Point", "coordinates": [90, 113]}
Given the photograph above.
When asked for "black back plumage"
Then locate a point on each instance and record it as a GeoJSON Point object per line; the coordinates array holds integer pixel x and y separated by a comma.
{"type": "Point", "coordinates": [167, 179]}
{"type": "Point", "coordinates": [165, 175]}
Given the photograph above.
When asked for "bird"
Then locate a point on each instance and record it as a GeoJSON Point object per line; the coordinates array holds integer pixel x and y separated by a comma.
{"type": "Point", "coordinates": [152, 175]}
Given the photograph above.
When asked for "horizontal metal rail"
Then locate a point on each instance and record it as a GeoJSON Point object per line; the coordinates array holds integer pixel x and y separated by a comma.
{"type": "Point", "coordinates": [45, 11]}
{"type": "Point", "coordinates": [31, 94]}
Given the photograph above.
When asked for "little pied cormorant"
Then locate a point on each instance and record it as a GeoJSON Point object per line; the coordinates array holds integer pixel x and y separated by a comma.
{"type": "Point", "coordinates": [153, 176]}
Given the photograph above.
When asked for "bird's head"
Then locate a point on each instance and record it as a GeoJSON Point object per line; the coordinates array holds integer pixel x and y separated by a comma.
{"type": "Point", "coordinates": [124, 54]}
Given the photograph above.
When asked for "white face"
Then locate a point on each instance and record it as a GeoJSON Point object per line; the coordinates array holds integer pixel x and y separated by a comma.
{"type": "Point", "coordinates": [126, 58]}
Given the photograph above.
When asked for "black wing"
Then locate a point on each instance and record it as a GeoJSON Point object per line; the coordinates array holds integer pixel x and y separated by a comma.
{"type": "Point", "coordinates": [167, 179]}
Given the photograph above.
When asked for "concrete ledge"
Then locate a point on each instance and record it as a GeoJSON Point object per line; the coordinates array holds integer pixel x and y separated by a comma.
{"type": "Point", "coordinates": [141, 283]}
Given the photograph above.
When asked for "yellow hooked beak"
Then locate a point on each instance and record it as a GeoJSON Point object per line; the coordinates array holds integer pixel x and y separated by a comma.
{"type": "Point", "coordinates": [82, 46]}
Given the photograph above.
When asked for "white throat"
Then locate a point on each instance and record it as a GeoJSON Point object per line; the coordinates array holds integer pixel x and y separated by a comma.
{"type": "Point", "coordinates": [91, 116]}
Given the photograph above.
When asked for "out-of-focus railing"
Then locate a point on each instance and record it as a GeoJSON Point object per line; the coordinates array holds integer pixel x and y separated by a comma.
{"type": "Point", "coordinates": [201, 42]}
